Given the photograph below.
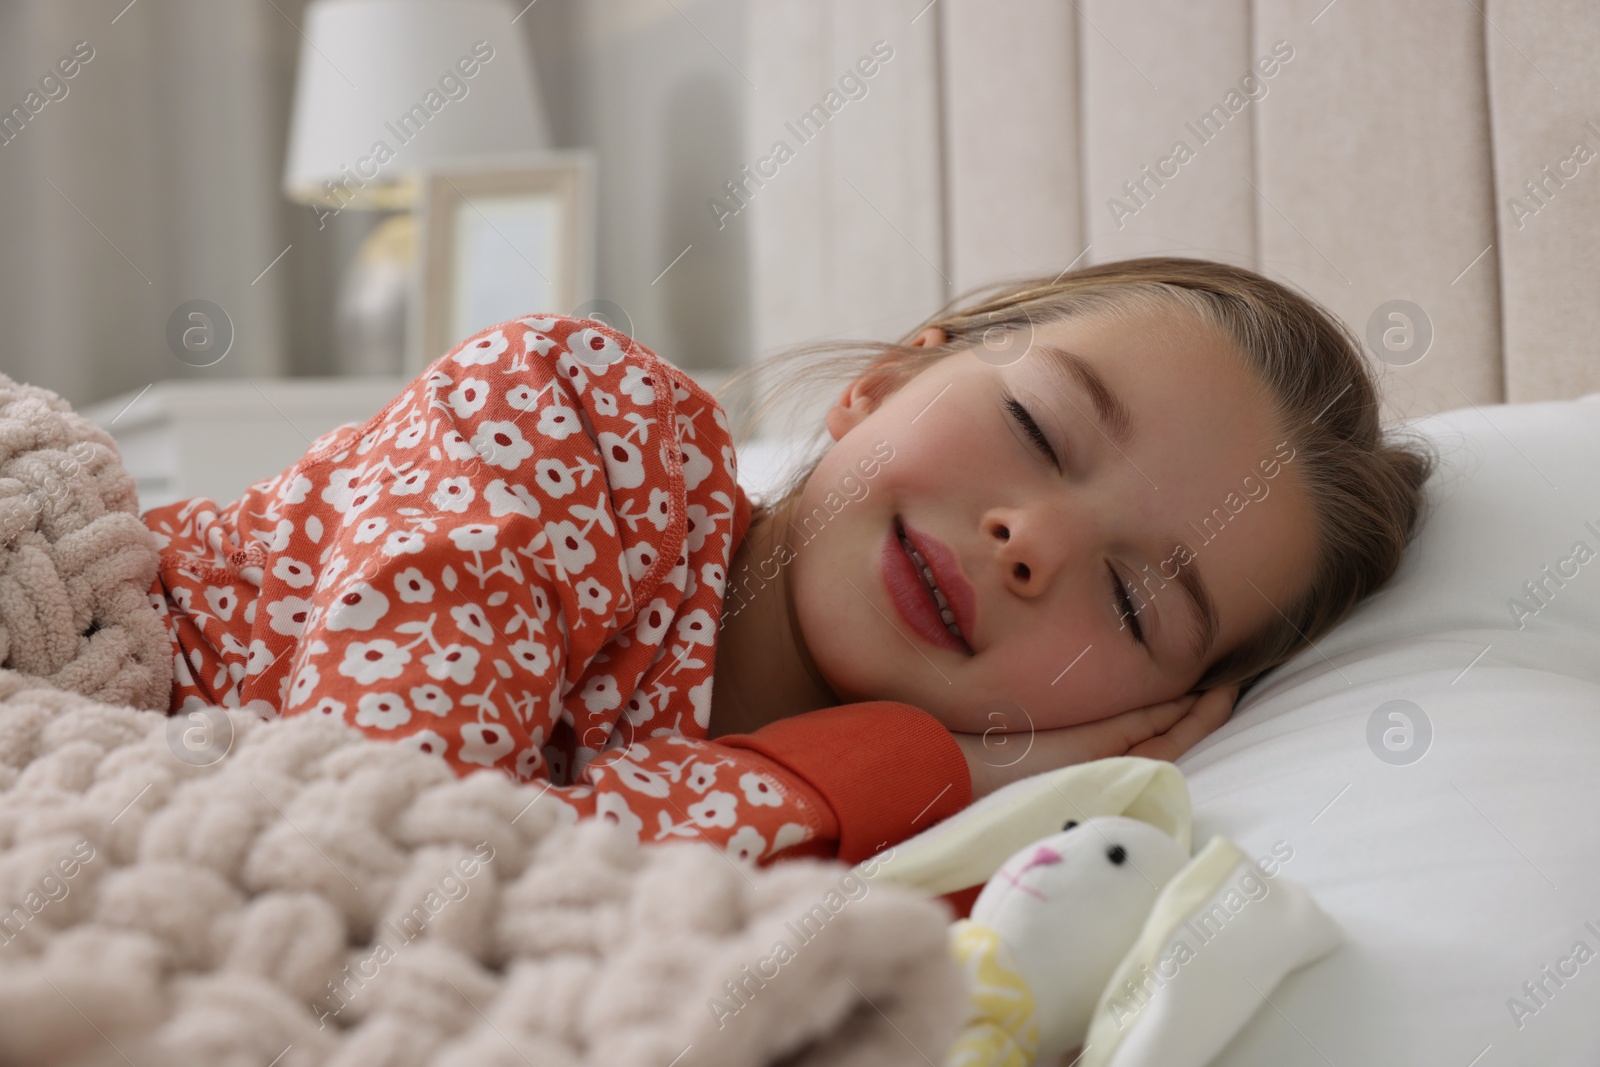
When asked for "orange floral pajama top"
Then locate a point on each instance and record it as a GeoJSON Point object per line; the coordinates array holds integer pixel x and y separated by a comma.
{"type": "Point", "coordinates": [519, 565]}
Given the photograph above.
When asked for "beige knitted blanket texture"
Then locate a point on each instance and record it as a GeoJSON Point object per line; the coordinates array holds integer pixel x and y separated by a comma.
{"type": "Point", "coordinates": [223, 890]}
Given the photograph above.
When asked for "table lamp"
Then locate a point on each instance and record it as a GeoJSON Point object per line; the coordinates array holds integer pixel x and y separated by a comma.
{"type": "Point", "coordinates": [386, 90]}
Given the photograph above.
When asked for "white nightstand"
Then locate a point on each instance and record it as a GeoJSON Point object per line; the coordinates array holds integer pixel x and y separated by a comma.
{"type": "Point", "coordinates": [181, 439]}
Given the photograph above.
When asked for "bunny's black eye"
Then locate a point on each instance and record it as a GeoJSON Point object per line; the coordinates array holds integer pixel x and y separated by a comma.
{"type": "Point", "coordinates": [1070, 823]}
{"type": "Point", "coordinates": [1116, 854]}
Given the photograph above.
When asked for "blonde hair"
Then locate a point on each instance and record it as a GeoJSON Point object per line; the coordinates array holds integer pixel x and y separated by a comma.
{"type": "Point", "coordinates": [1364, 487]}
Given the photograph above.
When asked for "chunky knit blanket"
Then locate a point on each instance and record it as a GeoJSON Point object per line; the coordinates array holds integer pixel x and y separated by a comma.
{"type": "Point", "coordinates": [218, 889]}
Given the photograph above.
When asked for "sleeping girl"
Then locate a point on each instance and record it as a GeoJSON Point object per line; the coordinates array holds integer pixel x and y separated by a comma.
{"type": "Point", "coordinates": [1099, 506]}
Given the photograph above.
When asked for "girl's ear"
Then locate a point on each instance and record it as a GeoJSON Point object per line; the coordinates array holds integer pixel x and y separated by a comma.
{"type": "Point", "coordinates": [855, 404]}
{"type": "Point", "coordinates": [866, 392]}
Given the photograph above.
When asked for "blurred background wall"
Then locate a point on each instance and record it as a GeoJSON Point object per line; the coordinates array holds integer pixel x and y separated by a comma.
{"type": "Point", "coordinates": [1434, 153]}
{"type": "Point", "coordinates": [156, 179]}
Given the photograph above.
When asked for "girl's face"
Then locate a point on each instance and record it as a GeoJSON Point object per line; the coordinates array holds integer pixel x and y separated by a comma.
{"type": "Point", "coordinates": [1200, 482]}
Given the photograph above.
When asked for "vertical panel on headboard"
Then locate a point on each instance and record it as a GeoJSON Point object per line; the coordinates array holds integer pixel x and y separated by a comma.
{"type": "Point", "coordinates": [1167, 149]}
{"type": "Point", "coordinates": [1544, 87]}
{"type": "Point", "coordinates": [997, 140]}
{"type": "Point", "coordinates": [1374, 179]}
{"type": "Point", "coordinates": [1010, 74]}
{"type": "Point", "coordinates": [847, 234]}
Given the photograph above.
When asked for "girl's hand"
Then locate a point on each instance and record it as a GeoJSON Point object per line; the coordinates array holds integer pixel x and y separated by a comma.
{"type": "Point", "coordinates": [1159, 731]}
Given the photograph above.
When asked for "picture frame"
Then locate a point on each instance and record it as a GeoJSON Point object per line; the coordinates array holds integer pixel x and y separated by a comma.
{"type": "Point", "coordinates": [498, 238]}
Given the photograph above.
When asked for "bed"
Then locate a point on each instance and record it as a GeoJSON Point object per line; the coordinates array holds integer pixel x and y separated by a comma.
{"type": "Point", "coordinates": [1428, 766]}
{"type": "Point", "coordinates": [1429, 769]}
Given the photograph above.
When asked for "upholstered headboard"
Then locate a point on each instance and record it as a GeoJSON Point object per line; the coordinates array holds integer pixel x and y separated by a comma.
{"type": "Point", "coordinates": [1439, 152]}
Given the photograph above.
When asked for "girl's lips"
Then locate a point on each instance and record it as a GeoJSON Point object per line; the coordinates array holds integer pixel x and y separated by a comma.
{"type": "Point", "coordinates": [952, 582]}
{"type": "Point", "coordinates": [910, 594]}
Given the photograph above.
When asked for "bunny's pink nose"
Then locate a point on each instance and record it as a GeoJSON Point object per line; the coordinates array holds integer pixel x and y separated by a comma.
{"type": "Point", "coordinates": [1044, 855]}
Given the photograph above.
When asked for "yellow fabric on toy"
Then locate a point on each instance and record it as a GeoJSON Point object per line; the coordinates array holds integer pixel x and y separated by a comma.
{"type": "Point", "coordinates": [1001, 1030]}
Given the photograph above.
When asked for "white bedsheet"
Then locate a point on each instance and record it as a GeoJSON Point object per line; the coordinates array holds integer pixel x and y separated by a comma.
{"type": "Point", "coordinates": [1460, 876]}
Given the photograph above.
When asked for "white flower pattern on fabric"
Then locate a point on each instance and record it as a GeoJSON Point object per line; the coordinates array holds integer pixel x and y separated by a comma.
{"type": "Point", "coordinates": [502, 444]}
{"type": "Point", "coordinates": [484, 743]}
{"type": "Point", "coordinates": [412, 483]}
{"type": "Point", "coordinates": [373, 661]}
{"type": "Point", "coordinates": [457, 663]}
{"type": "Point", "coordinates": [759, 791]}
{"type": "Point", "coordinates": [431, 699]}
{"type": "Point", "coordinates": [359, 608]}
{"type": "Point", "coordinates": [328, 708]}
{"type": "Point", "coordinates": [600, 694]}
{"type": "Point", "coordinates": [593, 597]}
{"type": "Point", "coordinates": [477, 537]}
{"type": "Point", "coordinates": [624, 461]}
{"type": "Point", "coordinates": [370, 529]}
{"type": "Point", "coordinates": [659, 512]}
{"type": "Point", "coordinates": [746, 844]}
{"type": "Point", "coordinates": [386, 711]}
{"type": "Point", "coordinates": [403, 542]}
{"type": "Point", "coordinates": [531, 655]}
{"type": "Point", "coordinates": [558, 422]}
{"type": "Point", "coordinates": [453, 495]}
{"type": "Point", "coordinates": [598, 348]}
{"type": "Point", "coordinates": [413, 587]}
{"type": "Point", "coordinates": [638, 779]}
{"type": "Point", "coordinates": [478, 574]}
{"type": "Point", "coordinates": [412, 435]}
{"type": "Point", "coordinates": [555, 478]}
{"type": "Point", "coordinates": [696, 467]}
{"type": "Point", "coordinates": [288, 616]}
{"type": "Point", "coordinates": [427, 742]}
{"type": "Point", "coordinates": [702, 777]}
{"type": "Point", "coordinates": [572, 548]}
{"type": "Point", "coordinates": [638, 387]}
{"type": "Point", "coordinates": [507, 499]}
{"type": "Point", "coordinates": [612, 806]}
{"type": "Point", "coordinates": [470, 621]}
{"type": "Point", "coordinates": [482, 351]}
{"type": "Point", "coordinates": [469, 397]}
{"type": "Point", "coordinates": [717, 809]}
{"type": "Point", "coordinates": [305, 682]}
{"type": "Point", "coordinates": [222, 602]}
{"type": "Point", "coordinates": [698, 521]}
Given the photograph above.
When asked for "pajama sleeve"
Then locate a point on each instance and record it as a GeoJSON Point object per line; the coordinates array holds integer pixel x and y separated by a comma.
{"type": "Point", "coordinates": [883, 771]}
{"type": "Point", "coordinates": [840, 783]}
{"type": "Point", "coordinates": [514, 567]}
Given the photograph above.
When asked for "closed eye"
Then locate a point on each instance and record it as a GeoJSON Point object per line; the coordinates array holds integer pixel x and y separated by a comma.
{"type": "Point", "coordinates": [1031, 428]}
{"type": "Point", "coordinates": [1119, 592]}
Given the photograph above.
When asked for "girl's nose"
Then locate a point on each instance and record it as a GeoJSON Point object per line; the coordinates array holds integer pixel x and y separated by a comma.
{"type": "Point", "coordinates": [1025, 560]}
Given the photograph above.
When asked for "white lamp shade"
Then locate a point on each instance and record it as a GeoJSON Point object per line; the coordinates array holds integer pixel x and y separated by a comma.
{"type": "Point", "coordinates": [387, 88]}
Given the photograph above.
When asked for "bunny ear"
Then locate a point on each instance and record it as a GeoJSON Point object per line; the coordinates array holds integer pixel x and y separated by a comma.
{"type": "Point", "coordinates": [1218, 941]}
{"type": "Point", "coordinates": [969, 847]}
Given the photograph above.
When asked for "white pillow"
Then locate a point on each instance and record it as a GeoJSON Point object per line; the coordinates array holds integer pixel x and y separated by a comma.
{"type": "Point", "coordinates": [1459, 876]}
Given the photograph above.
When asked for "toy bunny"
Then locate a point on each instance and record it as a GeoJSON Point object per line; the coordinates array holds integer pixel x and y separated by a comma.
{"type": "Point", "coordinates": [1099, 931]}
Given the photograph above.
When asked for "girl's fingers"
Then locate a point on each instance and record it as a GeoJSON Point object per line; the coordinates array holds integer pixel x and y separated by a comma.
{"type": "Point", "coordinates": [1153, 720]}
{"type": "Point", "coordinates": [1113, 736]}
{"type": "Point", "coordinates": [1213, 708]}
{"type": "Point", "coordinates": [1162, 731]}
